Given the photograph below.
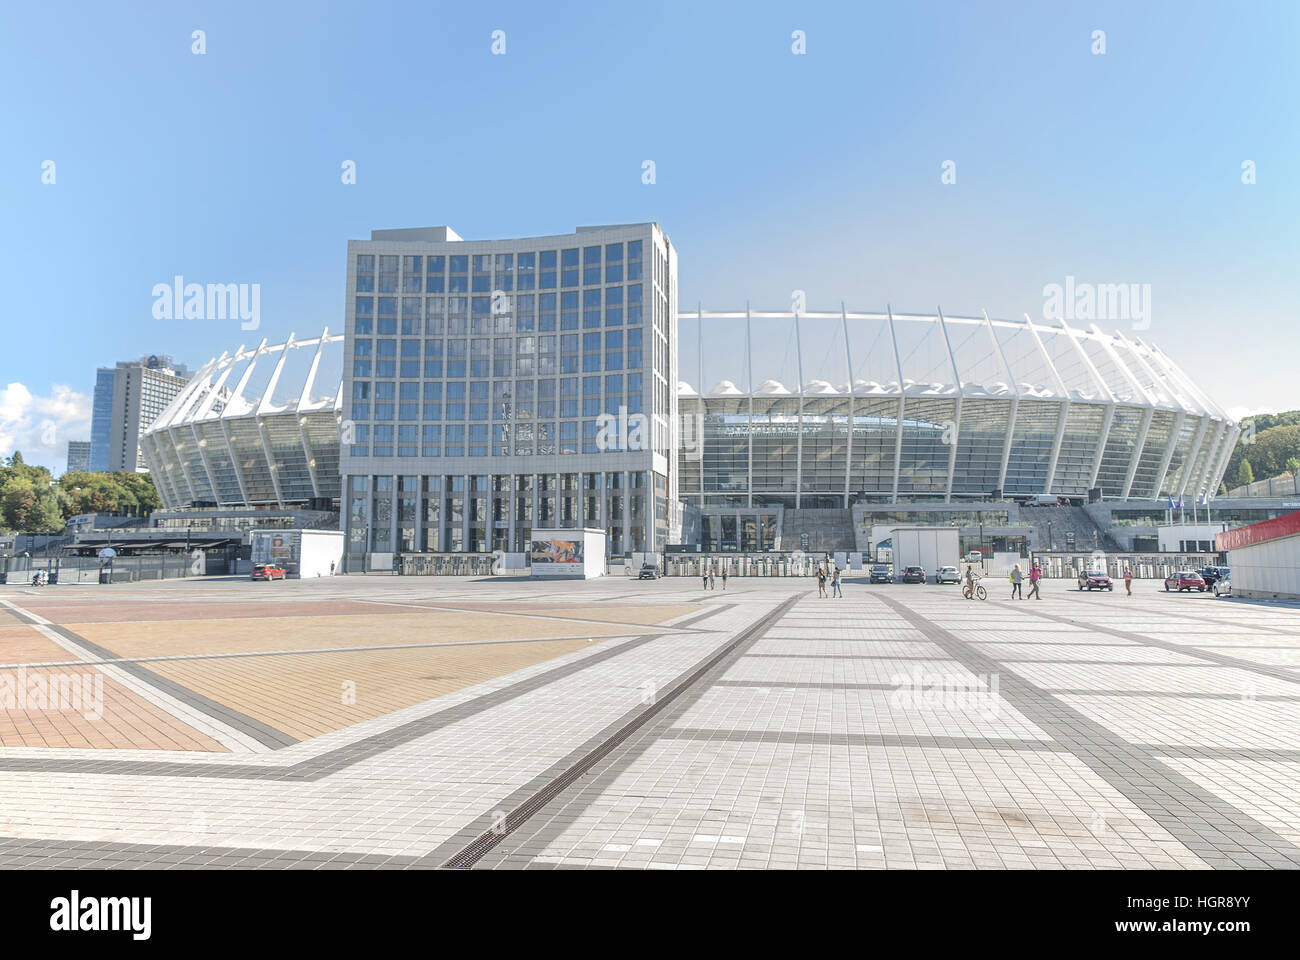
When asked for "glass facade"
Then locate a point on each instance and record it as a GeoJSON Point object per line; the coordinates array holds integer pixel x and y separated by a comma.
{"type": "Point", "coordinates": [824, 410]}
{"type": "Point", "coordinates": [547, 381]}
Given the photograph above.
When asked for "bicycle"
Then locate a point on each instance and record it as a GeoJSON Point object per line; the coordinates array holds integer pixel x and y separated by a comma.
{"type": "Point", "coordinates": [979, 593]}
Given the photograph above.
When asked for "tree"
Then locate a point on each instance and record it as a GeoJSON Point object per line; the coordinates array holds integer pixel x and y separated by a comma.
{"type": "Point", "coordinates": [119, 492]}
{"type": "Point", "coordinates": [28, 509]}
{"type": "Point", "coordinates": [1275, 439]}
{"type": "Point", "coordinates": [1245, 475]}
{"type": "Point", "coordinates": [1293, 465]}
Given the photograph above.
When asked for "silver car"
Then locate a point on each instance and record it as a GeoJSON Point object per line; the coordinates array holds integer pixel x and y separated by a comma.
{"type": "Point", "coordinates": [1223, 587]}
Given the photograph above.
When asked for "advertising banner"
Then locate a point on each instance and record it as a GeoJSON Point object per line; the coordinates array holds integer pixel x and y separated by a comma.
{"type": "Point", "coordinates": [558, 557]}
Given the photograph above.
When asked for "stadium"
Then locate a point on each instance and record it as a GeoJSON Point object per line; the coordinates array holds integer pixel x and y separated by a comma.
{"type": "Point", "coordinates": [253, 428]}
{"type": "Point", "coordinates": [824, 410]}
{"type": "Point", "coordinates": [797, 410]}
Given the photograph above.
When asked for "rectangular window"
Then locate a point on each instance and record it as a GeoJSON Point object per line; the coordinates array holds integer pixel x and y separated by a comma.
{"type": "Point", "coordinates": [569, 310]}
{"type": "Point", "coordinates": [591, 308]}
{"type": "Point", "coordinates": [365, 272]}
{"type": "Point", "coordinates": [431, 440]}
{"type": "Point", "coordinates": [454, 446]}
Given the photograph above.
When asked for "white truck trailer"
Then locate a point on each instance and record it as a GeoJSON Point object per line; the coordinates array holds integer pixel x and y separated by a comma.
{"type": "Point", "coordinates": [927, 547]}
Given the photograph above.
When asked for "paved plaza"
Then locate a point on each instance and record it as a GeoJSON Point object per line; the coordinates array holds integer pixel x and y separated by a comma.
{"type": "Point", "coordinates": [364, 722]}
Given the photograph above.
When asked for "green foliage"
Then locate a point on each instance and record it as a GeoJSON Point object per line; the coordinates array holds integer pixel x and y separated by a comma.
{"type": "Point", "coordinates": [108, 493]}
{"type": "Point", "coordinates": [28, 501]}
{"type": "Point", "coordinates": [1276, 443]}
{"type": "Point", "coordinates": [1245, 474]}
{"type": "Point", "coordinates": [31, 502]}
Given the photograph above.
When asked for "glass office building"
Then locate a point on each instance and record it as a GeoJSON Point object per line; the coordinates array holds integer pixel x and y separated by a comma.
{"type": "Point", "coordinates": [493, 386]}
{"type": "Point", "coordinates": [101, 421]}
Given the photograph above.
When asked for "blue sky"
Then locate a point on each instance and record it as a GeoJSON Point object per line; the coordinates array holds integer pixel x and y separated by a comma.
{"type": "Point", "coordinates": [774, 171]}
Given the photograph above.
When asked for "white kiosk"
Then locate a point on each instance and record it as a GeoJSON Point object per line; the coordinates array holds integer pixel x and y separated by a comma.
{"type": "Point", "coordinates": [568, 554]}
{"type": "Point", "coordinates": [302, 553]}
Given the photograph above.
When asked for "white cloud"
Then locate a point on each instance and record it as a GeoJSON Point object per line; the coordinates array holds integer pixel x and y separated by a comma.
{"type": "Point", "coordinates": [41, 426]}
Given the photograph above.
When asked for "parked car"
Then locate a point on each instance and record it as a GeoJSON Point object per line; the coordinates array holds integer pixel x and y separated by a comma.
{"type": "Point", "coordinates": [1223, 586]}
{"type": "Point", "coordinates": [973, 557]}
{"type": "Point", "coordinates": [1095, 580]}
{"type": "Point", "coordinates": [1188, 580]}
{"type": "Point", "coordinates": [266, 571]}
{"type": "Point", "coordinates": [648, 572]}
{"type": "Point", "coordinates": [881, 573]}
{"type": "Point", "coordinates": [947, 575]}
{"type": "Point", "coordinates": [914, 574]}
{"type": "Point", "coordinates": [1212, 575]}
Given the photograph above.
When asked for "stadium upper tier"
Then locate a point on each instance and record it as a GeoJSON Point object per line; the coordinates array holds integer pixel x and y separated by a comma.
{"type": "Point", "coordinates": [258, 426]}
{"type": "Point", "coordinates": [827, 406]}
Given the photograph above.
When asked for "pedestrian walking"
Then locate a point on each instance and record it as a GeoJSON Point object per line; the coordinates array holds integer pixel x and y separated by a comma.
{"type": "Point", "coordinates": [1017, 578]}
{"type": "Point", "coordinates": [1128, 581]}
{"type": "Point", "coordinates": [1035, 575]}
{"type": "Point", "coordinates": [724, 578]}
{"type": "Point", "coordinates": [711, 580]}
{"type": "Point", "coordinates": [835, 584]}
{"type": "Point", "coordinates": [821, 581]}
{"type": "Point", "coordinates": [704, 574]}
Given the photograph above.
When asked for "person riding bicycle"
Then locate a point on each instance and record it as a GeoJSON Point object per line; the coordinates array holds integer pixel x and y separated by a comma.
{"type": "Point", "coordinates": [969, 591]}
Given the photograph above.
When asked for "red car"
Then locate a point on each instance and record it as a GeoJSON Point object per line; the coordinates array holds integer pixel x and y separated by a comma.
{"type": "Point", "coordinates": [1095, 580]}
{"type": "Point", "coordinates": [1185, 580]}
{"type": "Point", "coordinates": [266, 571]}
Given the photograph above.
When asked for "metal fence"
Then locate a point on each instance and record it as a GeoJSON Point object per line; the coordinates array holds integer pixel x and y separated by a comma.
{"type": "Point", "coordinates": [444, 565]}
{"type": "Point", "coordinates": [741, 565]}
{"type": "Point", "coordinates": [1145, 566]}
{"type": "Point", "coordinates": [1283, 486]}
{"type": "Point", "coordinates": [20, 570]}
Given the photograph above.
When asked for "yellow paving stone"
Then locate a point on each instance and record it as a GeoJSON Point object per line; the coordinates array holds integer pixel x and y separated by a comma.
{"type": "Point", "coordinates": [306, 695]}
{"type": "Point", "coordinates": [164, 638]}
{"type": "Point", "coordinates": [78, 707]}
{"type": "Point", "coordinates": [22, 644]}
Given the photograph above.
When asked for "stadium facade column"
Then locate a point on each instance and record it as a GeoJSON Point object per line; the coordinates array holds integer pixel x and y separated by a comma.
{"type": "Point", "coordinates": [1064, 414]}
{"type": "Point", "coordinates": [1138, 444]}
{"type": "Point", "coordinates": [898, 433]}
{"type": "Point", "coordinates": [798, 457]}
{"type": "Point", "coordinates": [1175, 434]}
{"type": "Point", "coordinates": [1015, 403]}
{"type": "Point", "coordinates": [848, 444]}
{"type": "Point", "coordinates": [749, 389]}
{"type": "Point", "coordinates": [956, 430]}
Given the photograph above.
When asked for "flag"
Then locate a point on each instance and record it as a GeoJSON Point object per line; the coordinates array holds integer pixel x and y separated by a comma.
{"type": "Point", "coordinates": [1171, 501]}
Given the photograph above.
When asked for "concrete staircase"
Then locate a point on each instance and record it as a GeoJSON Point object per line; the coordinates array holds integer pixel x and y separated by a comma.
{"type": "Point", "coordinates": [1088, 535]}
{"type": "Point", "coordinates": [829, 531]}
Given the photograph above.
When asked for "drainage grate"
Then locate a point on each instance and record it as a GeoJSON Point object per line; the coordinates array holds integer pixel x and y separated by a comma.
{"type": "Point", "coordinates": [475, 851]}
